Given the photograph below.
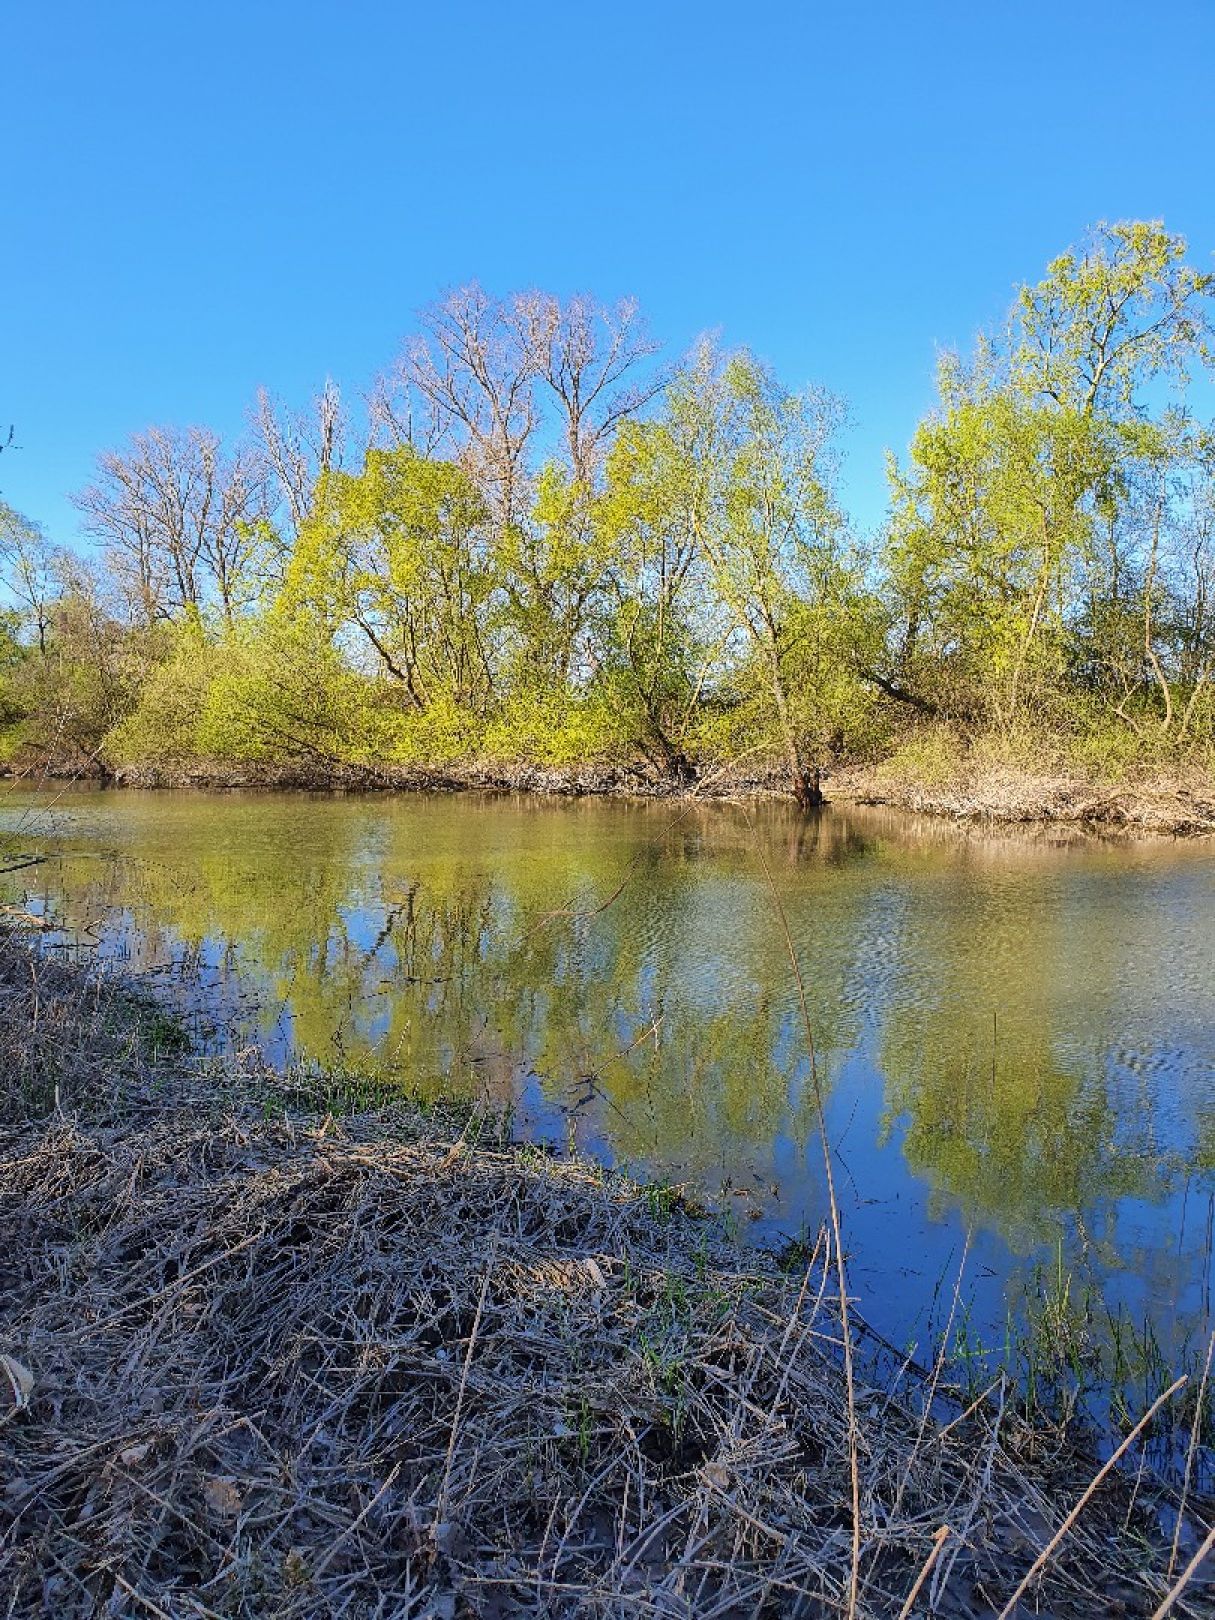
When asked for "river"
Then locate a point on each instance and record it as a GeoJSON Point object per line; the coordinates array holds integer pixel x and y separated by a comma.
{"type": "Point", "coordinates": [1015, 1030]}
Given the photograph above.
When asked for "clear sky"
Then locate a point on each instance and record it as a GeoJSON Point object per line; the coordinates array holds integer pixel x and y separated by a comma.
{"type": "Point", "coordinates": [196, 199]}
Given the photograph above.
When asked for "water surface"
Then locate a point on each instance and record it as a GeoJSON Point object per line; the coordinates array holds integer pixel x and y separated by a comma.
{"type": "Point", "coordinates": [1015, 1031]}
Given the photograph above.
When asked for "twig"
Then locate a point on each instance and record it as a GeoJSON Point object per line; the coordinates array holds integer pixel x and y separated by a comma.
{"type": "Point", "coordinates": [441, 1502]}
{"type": "Point", "coordinates": [319, 1569]}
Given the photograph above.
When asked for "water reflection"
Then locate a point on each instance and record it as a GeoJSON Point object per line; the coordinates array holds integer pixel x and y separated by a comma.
{"type": "Point", "coordinates": [1015, 1030]}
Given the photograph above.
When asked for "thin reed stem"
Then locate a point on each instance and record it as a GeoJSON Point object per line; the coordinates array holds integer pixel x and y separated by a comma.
{"type": "Point", "coordinates": [938, 1541]}
{"type": "Point", "coordinates": [1186, 1576]}
{"type": "Point", "coordinates": [1191, 1452]}
{"type": "Point", "coordinates": [1044, 1556]}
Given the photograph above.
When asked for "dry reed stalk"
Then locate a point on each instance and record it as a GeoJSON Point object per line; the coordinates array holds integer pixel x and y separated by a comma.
{"type": "Point", "coordinates": [1191, 1452]}
{"type": "Point", "coordinates": [1111, 1462]}
{"type": "Point", "coordinates": [937, 1368]}
{"type": "Point", "coordinates": [441, 1505]}
{"type": "Point", "coordinates": [1186, 1576]}
{"type": "Point", "coordinates": [938, 1541]}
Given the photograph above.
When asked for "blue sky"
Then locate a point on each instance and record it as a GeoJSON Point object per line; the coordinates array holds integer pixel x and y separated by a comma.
{"type": "Point", "coordinates": [196, 200]}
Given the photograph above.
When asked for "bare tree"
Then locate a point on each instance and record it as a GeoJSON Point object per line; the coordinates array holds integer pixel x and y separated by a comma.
{"type": "Point", "coordinates": [403, 419]}
{"type": "Point", "coordinates": [31, 569]}
{"type": "Point", "coordinates": [233, 540]}
{"type": "Point", "coordinates": [466, 385]}
{"type": "Point", "coordinates": [300, 446]}
{"type": "Point", "coordinates": [587, 355]}
{"type": "Point", "coordinates": [181, 520]}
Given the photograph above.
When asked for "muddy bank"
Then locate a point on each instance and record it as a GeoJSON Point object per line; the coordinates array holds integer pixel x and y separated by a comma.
{"type": "Point", "coordinates": [568, 781]}
{"type": "Point", "coordinates": [1171, 804]}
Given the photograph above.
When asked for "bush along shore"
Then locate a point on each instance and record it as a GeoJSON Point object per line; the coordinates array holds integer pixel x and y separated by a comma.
{"type": "Point", "coordinates": [275, 1345]}
{"type": "Point", "coordinates": [537, 549]}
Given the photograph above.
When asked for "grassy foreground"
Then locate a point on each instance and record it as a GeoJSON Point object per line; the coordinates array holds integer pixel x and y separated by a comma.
{"type": "Point", "coordinates": [266, 1349]}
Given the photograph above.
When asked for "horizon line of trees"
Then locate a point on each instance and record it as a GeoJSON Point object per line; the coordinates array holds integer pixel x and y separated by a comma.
{"type": "Point", "coordinates": [549, 543]}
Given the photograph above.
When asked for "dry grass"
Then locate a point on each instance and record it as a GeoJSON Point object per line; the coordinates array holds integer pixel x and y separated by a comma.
{"type": "Point", "coordinates": [71, 1039]}
{"type": "Point", "coordinates": [369, 1367]}
{"type": "Point", "coordinates": [1179, 802]}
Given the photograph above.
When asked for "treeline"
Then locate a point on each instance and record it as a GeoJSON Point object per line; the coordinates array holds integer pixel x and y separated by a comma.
{"type": "Point", "coordinates": [548, 544]}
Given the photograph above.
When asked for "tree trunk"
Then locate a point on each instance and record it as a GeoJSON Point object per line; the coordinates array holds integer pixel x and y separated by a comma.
{"type": "Point", "coordinates": [808, 787]}
{"type": "Point", "coordinates": [807, 783]}
{"type": "Point", "coordinates": [673, 762]}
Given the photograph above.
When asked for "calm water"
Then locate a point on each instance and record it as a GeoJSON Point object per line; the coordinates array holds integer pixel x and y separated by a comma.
{"type": "Point", "coordinates": [1017, 1033]}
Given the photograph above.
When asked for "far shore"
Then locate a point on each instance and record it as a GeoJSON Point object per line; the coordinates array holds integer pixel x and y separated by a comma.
{"type": "Point", "coordinates": [1174, 802]}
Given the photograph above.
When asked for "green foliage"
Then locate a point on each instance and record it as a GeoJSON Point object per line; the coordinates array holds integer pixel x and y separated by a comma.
{"type": "Point", "coordinates": [163, 729]}
{"type": "Point", "coordinates": [1112, 317]}
{"type": "Point", "coordinates": [727, 499]}
{"type": "Point", "coordinates": [1050, 549]}
{"type": "Point", "coordinates": [397, 561]}
{"type": "Point", "coordinates": [672, 585]}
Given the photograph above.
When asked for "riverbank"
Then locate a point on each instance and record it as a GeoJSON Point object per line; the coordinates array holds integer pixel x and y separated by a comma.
{"type": "Point", "coordinates": [977, 786]}
{"type": "Point", "coordinates": [277, 1344]}
{"type": "Point", "coordinates": [1173, 804]}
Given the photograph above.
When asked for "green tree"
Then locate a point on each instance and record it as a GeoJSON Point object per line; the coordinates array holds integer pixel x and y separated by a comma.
{"type": "Point", "coordinates": [399, 558]}
{"type": "Point", "coordinates": [1109, 318]}
{"type": "Point", "coordinates": [1017, 528]}
{"type": "Point", "coordinates": [740, 472]}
